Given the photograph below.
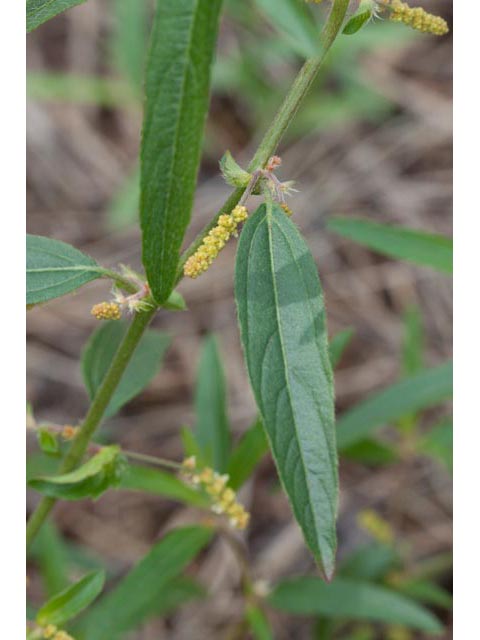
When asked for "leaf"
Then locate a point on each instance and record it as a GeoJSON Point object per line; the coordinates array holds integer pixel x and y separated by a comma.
{"type": "Point", "coordinates": [133, 599]}
{"type": "Point", "coordinates": [371, 452]}
{"type": "Point", "coordinates": [177, 95]}
{"type": "Point", "coordinates": [293, 20]}
{"type": "Point", "coordinates": [413, 346]}
{"type": "Point", "coordinates": [338, 344]}
{"type": "Point", "coordinates": [129, 39]}
{"type": "Point", "coordinates": [212, 430]}
{"type": "Point", "coordinates": [99, 351]}
{"type": "Point", "coordinates": [72, 600]}
{"type": "Point", "coordinates": [232, 172]}
{"type": "Point", "coordinates": [175, 302]}
{"type": "Point", "coordinates": [39, 11]}
{"type": "Point", "coordinates": [421, 248]}
{"type": "Point", "coordinates": [160, 483]}
{"type": "Point", "coordinates": [123, 209]}
{"type": "Point", "coordinates": [48, 442]}
{"type": "Point", "coordinates": [190, 446]}
{"type": "Point", "coordinates": [177, 592]}
{"type": "Point", "coordinates": [50, 553]}
{"type": "Point", "coordinates": [357, 21]}
{"type": "Point", "coordinates": [258, 623]}
{"type": "Point", "coordinates": [427, 592]}
{"type": "Point", "coordinates": [438, 444]}
{"type": "Point", "coordinates": [370, 562]}
{"type": "Point", "coordinates": [55, 268]}
{"type": "Point", "coordinates": [249, 451]}
{"type": "Point", "coordinates": [283, 330]}
{"type": "Point", "coordinates": [351, 599]}
{"type": "Point", "coordinates": [90, 480]}
{"type": "Point", "coordinates": [423, 390]}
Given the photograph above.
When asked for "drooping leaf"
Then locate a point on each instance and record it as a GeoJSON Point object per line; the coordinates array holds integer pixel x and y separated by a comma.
{"type": "Point", "coordinates": [177, 93]}
{"type": "Point", "coordinates": [212, 430]}
{"type": "Point", "coordinates": [438, 443]}
{"type": "Point", "coordinates": [132, 600]}
{"type": "Point", "coordinates": [419, 247]}
{"type": "Point", "coordinates": [370, 562]}
{"type": "Point", "coordinates": [55, 268]}
{"type": "Point", "coordinates": [39, 11]}
{"type": "Point", "coordinates": [142, 368]}
{"type": "Point", "coordinates": [417, 392]}
{"type": "Point", "coordinates": [258, 623]}
{"type": "Point", "coordinates": [351, 599]}
{"type": "Point", "coordinates": [294, 21]}
{"type": "Point", "coordinates": [48, 442]}
{"type": "Point", "coordinates": [90, 480]}
{"type": "Point", "coordinates": [283, 330]}
{"type": "Point", "coordinates": [72, 600]}
{"type": "Point", "coordinates": [247, 454]}
{"type": "Point", "coordinates": [338, 344]}
{"type": "Point", "coordinates": [160, 483]}
{"type": "Point", "coordinates": [130, 39]}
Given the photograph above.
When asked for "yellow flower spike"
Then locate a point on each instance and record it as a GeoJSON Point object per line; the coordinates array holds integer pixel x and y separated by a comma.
{"type": "Point", "coordinates": [417, 18]}
{"type": "Point", "coordinates": [214, 242]}
{"type": "Point", "coordinates": [49, 631]}
{"type": "Point", "coordinates": [287, 209]}
{"type": "Point", "coordinates": [106, 311]}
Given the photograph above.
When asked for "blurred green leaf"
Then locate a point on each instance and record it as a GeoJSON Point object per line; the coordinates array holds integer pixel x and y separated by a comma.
{"type": "Point", "coordinates": [425, 591]}
{"type": "Point", "coordinates": [133, 599]}
{"type": "Point", "coordinates": [293, 20]}
{"type": "Point", "coordinates": [98, 354]}
{"type": "Point", "coordinates": [370, 562]}
{"type": "Point", "coordinates": [99, 91]}
{"type": "Point", "coordinates": [177, 94]}
{"type": "Point", "coordinates": [415, 246]}
{"type": "Point", "coordinates": [90, 480]}
{"type": "Point", "coordinates": [438, 443]}
{"type": "Point", "coordinates": [50, 553]}
{"type": "Point", "coordinates": [191, 447]}
{"type": "Point", "coordinates": [130, 38]}
{"type": "Point", "coordinates": [247, 454]}
{"type": "Point", "coordinates": [423, 390]}
{"type": "Point", "coordinates": [283, 330]}
{"type": "Point", "coordinates": [212, 430]}
{"type": "Point", "coordinates": [123, 208]}
{"type": "Point", "coordinates": [72, 600]}
{"type": "Point", "coordinates": [55, 268]}
{"type": "Point", "coordinates": [338, 344]}
{"type": "Point", "coordinates": [258, 623]}
{"type": "Point", "coordinates": [371, 452]}
{"type": "Point", "coordinates": [351, 599]}
{"type": "Point", "coordinates": [39, 11]}
{"type": "Point", "coordinates": [175, 302]}
{"type": "Point", "coordinates": [413, 345]}
{"type": "Point", "coordinates": [160, 483]}
{"type": "Point", "coordinates": [48, 441]}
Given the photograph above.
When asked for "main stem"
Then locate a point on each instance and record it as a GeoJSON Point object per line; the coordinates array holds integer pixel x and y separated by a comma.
{"type": "Point", "coordinates": [285, 115]}
{"type": "Point", "coordinates": [95, 413]}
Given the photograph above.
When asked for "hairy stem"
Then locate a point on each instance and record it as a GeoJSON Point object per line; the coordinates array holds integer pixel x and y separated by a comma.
{"type": "Point", "coordinates": [285, 115]}
{"type": "Point", "coordinates": [95, 413]}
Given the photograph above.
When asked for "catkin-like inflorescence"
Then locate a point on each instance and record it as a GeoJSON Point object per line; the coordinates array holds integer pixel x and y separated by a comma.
{"type": "Point", "coordinates": [106, 311]}
{"type": "Point", "coordinates": [214, 242]}
{"type": "Point", "coordinates": [287, 209]}
{"type": "Point", "coordinates": [417, 18]}
{"type": "Point", "coordinates": [223, 498]}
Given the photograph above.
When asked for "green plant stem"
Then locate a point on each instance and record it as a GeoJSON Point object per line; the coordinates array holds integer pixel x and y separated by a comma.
{"type": "Point", "coordinates": [95, 413]}
{"type": "Point", "coordinates": [282, 120]}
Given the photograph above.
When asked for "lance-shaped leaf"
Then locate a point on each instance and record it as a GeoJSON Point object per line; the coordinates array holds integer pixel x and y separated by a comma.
{"type": "Point", "coordinates": [142, 368]}
{"type": "Point", "coordinates": [351, 599]}
{"type": "Point", "coordinates": [422, 248]}
{"type": "Point", "coordinates": [247, 454]}
{"type": "Point", "coordinates": [133, 599]}
{"type": "Point", "coordinates": [177, 92]}
{"type": "Point", "coordinates": [71, 601]}
{"type": "Point", "coordinates": [283, 330]}
{"type": "Point", "coordinates": [338, 344]}
{"type": "Point", "coordinates": [90, 480]}
{"type": "Point", "coordinates": [55, 268]}
{"type": "Point", "coordinates": [212, 430]}
{"type": "Point", "coordinates": [39, 11]}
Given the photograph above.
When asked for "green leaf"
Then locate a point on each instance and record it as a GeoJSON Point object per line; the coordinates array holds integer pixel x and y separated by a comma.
{"type": "Point", "coordinates": [258, 623]}
{"type": "Point", "coordinates": [212, 430]}
{"type": "Point", "coordinates": [160, 483]}
{"type": "Point", "coordinates": [438, 443]}
{"type": "Point", "coordinates": [39, 11]}
{"type": "Point", "coordinates": [190, 446]}
{"type": "Point", "coordinates": [72, 600]}
{"type": "Point", "coordinates": [247, 454]}
{"type": "Point", "coordinates": [142, 368]}
{"type": "Point", "coordinates": [133, 599]}
{"type": "Point", "coordinates": [50, 553]}
{"type": "Point", "coordinates": [293, 20]}
{"type": "Point", "coordinates": [48, 442]}
{"type": "Point", "coordinates": [413, 345]}
{"type": "Point", "coordinates": [175, 302]}
{"type": "Point", "coordinates": [177, 94]}
{"type": "Point", "coordinates": [90, 480]}
{"type": "Point", "coordinates": [421, 248]}
{"type": "Point", "coordinates": [370, 452]}
{"type": "Point", "coordinates": [338, 344]}
{"type": "Point", "coordinates": [283, 330]}
{"type": "Point", "coordinates": [55, 268]}
{"type": "Point", "coordinates": [427, 592]}
{"type": "Point", "coordinates": [370, 562]}
{"type": "Point", "coordinates": [123, 209]}
{"type": "Point", "coordinates": [357, 21]}
{"type": "Point", "coordinates": [177, 592]}
{"type": "Point", "coordinates": [423, 390]}
{"type": "Point", "coordinates": [232, 173]}
{"type": "Point", "coordinates": [129, 39]}
{"type": "Point", "coordinates": [351, 599]}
